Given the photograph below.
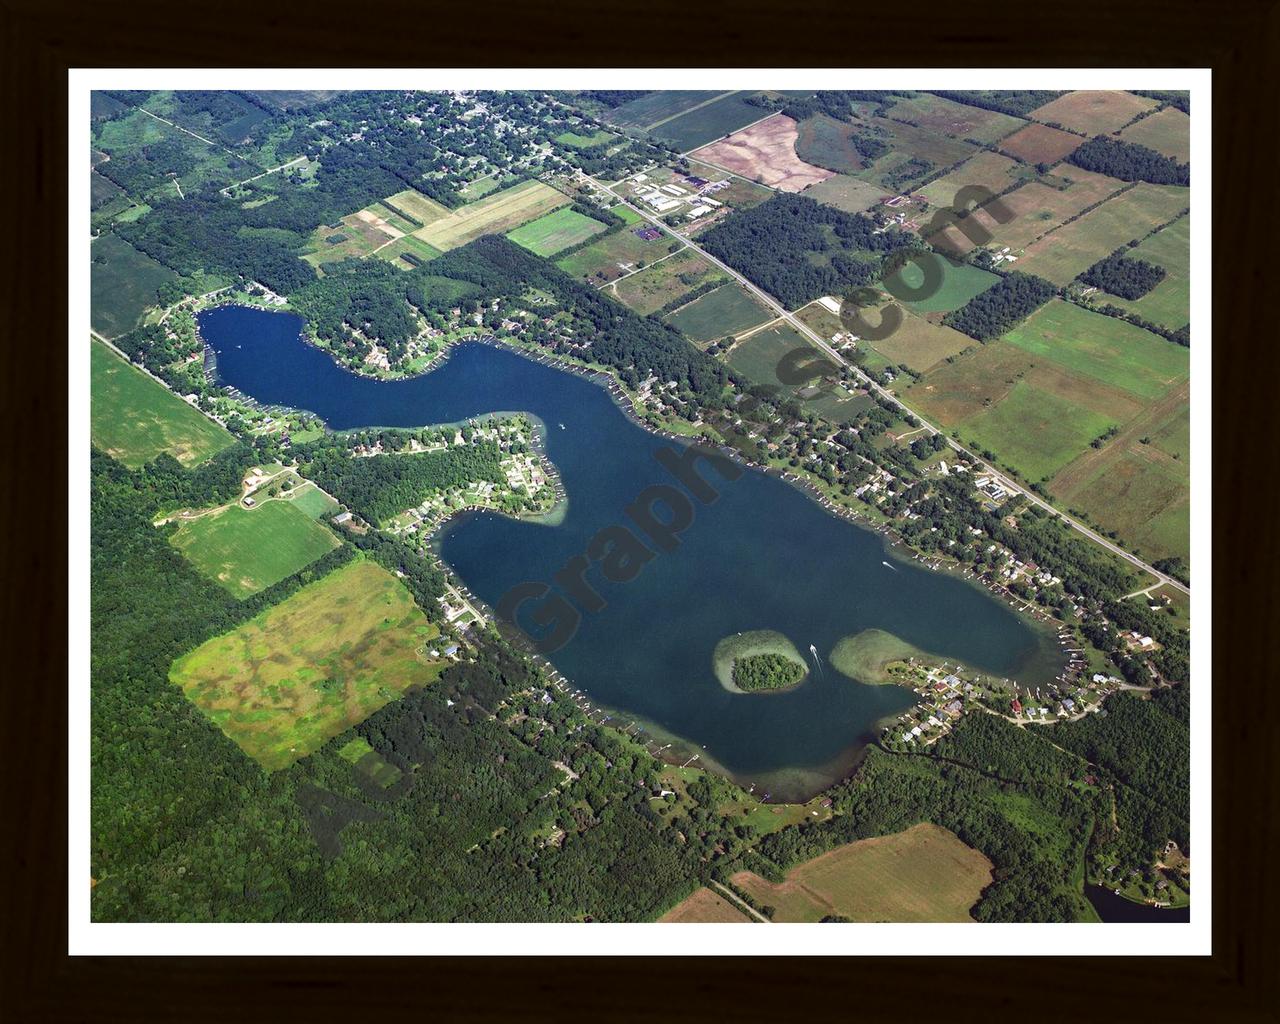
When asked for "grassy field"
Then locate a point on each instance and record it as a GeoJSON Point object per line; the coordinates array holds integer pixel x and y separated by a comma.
{"type": "Point", "coordinates": [1035, 431]}
{"type": "Point", "coordinates": [922, 874]}
{"type": "Point", "coordinates": [134, 418]}
{"type": "Point", "coordinates": [958, 120]}
{"type": "Point", "coordinates": [826, 142]}
{"type": "Point", "coordinates": [412, 202]}
{"type": "Point", "coordinates": [302, 672]}
{"type": "Point", "coordinates": [919, 343]}
{"type": "Point", "coordinates": [1169, 302]}
{"type": "Point", "coordinates": [906, 142]}
{"type": "Point", "coordinates": [1092, 112]}
{"type": "Point", "coordinates": [1040, 206]}
{"type": "Point", "coordinates": [655, 286]}
{"type": "Point", "coordinates": [985, 168]}
{"type": "Point", "coordinates": [1073, 248]}
{"type": "Point", "coordinates": [313, 501]}
{"type": "Point", "coordinates": [1038, 143]}
{"type": "Point", "coordinates": [576, 141]}
{"type": "Point", "coordinates": [605, 259]}
{"type": "Point", "coordinates": [959, 284]}
{"type": "Point", "coordinates": [866, 656]}
{"type": "Point", "coordinates": [1104, 348]}
{"type": "Point", "coordinates": [704, 907]}
{"type": "Point", "coordinates": [1167, 131]}
{"type": "Point", "coordinates": [555, 232]}
{"type": "Point", "coordinates": [853, 195]}
{"type": "Point", "coordinates": [757, 356]}
{"type": "Point", "coordinates": [494, 214]}
{"type": "Point", "coordinates": [730, 309]}
{"type": "Point", "coordinates": [122, 284]}
{"type": "Point", "coordinates": [407, 244]}
{"type": "Point", "coordinates": [247, 550]}
{"type": "Point", "coordinates": [356, 236]}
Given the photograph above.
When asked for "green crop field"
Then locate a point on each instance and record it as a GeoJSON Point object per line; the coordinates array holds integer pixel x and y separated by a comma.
{"type": "Point", "coordinates": [1073, 248]}
{"type": "Point", "coordinates": [1034, 430]}
{"type": "Point", "coordinates": [604, 259]}
{"type": "Point", "coordinates": [700, 125]}
{"type": "Point", "coordinates": [757, 356]}
{"type": "Point", "coordinates": [730, 309]}
{"type": "Point", "coordinates": [655, 286]}
{"type": "Point", "coordinates": [313, 501]}
{"type": "Point", "coordinates": [1167, 131]}
{"type": "Point", "coordinates": [134, 418]}
{"type": "Point", "coordinates": [959, 284]}
{"type": "Point", "coordinates": [657, 107]}
{"type": "Point", "coordinates": [304, 671]}
{"type": "Point", "coordinates": [555, 232]}
{"type": "Point", "coordinates": [395, 252]}
{"type": "Point", "coordinates": [1104, 348]}
{"type": "Point", "coordinates": [922, 874]}
{"type": "Point", "coordinates": [1169, 302]}
{"type": "Point", "coordinates": [247, 550]}
{"type": "Point", "coordinates": [122, 285]}
{"type": "Point", "coordinates": [985, 168]}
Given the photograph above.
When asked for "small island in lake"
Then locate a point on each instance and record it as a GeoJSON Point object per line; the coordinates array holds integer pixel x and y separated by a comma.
{"type": "Point", "coordinates": [760, 660]}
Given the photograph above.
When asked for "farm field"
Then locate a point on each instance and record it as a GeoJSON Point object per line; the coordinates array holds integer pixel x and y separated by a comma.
{"type": "Point", "coordinates": [479, 188]}
{"type": "Point", "coordinates": [699, 125]}
{"type": "Point", "coordinates": [359, 234]}
{"type": "Point", "coordinates": [1040, 144]}
{"type": "Point", "coordinates": [1093, 112]}
{"type": "Point", "coordinates": [824, 141]}
{"type": "Point", "coordinates": [122, 284]}
{"type": "Point", "coordinates": [906, 143]}
{"type": "Point", "coordinates": [920, 344]}
{"type": "Point", "coordinates": [555, 232]}
{"type": "Point", "coordinates": [1034, 430]}
{"type": "Point", "coordinates": [1166, 131]}
{"type": "Point", "coordinates": [1075, 247]}
{"type": "Point", "coordinates": [1104, 348]}
{"type": "Point", "coordinates": [649, 111]}
{"type": "Point", "coordinates": [652, 288]}
{"type": "Point", "coordinates": [405, 249]}
{"type": "Point", "coordinates": [959, 284]}
{"type": "Point", "coordinates": [134, 418]}
{"type": "Point", "coordinates": [765, 152]}
{"type": "Point", "coordinates": [247, 550]}
{"type": "Point", "coordinates": [757, 355]}
{"type": "Point", "coordinates": [853, 195]}
{"type": "Point", "coordinates": [494, 214]}
{"type": "Point", "coordinates": [987, 169]}
{"type": "Point", "coordinates": [1169, 302]}
{"type": "Point", "coordinates": [1037, 208]}
{"type": "Point", "coordinates": [305, 670]}
{"type": "Point", "coordinates": [957, 120]}
{"type": "Point", "coordinates": [413, 205]}
{"type": "Point", "coordinates": [730, 309]}
{"type": "Point", "coordinates": [817, 317]}
{"type": "Point", "coordinates": [705, 906]}
{"type": "Point", "coordinates": [314, 502]}
{"type": "Point", "coordinates": [922, 874]}
{"type": "Point", "coordinates": [605, 259]}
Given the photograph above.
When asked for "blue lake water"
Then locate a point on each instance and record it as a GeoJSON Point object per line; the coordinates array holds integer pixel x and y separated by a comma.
{"type": "Point", "coordinates": [763, 556]}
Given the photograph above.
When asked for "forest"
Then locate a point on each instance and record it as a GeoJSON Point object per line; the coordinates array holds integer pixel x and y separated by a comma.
{"type": "Point", "coordinates": [1016, 102]}
{"type": "Point", "coordinates": [1130, 162]}
{"type": "Point", "coordinates": [1001, 308]}
{"type": "Point", "coordinates": [767, 671]}
{"type": "Point", "coordinates": [1124, 276]}
{"type": "Point", "coordinates": [798, 249]}
{"type": "Point", "coordinates": [381, 486]}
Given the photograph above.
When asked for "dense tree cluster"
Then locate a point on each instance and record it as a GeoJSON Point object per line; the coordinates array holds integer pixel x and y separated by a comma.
{"type": "Point", "coordinates": [1001, 308]}
{"type": "Point", "coordinates": [365, 297]}
{"type": "Point", "coordinates": [1130, 162]}
{"type": "Point", "coordinates": [838, 103]}
{"type": "Point", "coordinates": [1017, 102]}
{"type": "Point", "coordinates": [381, 486]}
{"type": "Point", "coordinates": [1124, 276]}
{"type": "Point", "coordinates": [1180, 100]}
{"type": "Point", "coordinates": [765, 672]}
{"type": "Point", "coordinates": [614, 97]}
{"type": "Point", "coordinates": [798, 249]}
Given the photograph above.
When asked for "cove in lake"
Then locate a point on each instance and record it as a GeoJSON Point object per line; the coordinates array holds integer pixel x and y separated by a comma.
{"type": "Point", "coordinates": [765, 556]}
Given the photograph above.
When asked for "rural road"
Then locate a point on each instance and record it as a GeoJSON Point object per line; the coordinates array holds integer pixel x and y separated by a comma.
{"type": "Point", "coordinates": [1009, 485]}
{"type": "Point", "coordinates": [738, 903]}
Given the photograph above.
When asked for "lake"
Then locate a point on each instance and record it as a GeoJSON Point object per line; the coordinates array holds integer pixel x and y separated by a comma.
{"type": "Point", "coordinates": [764, 556]}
